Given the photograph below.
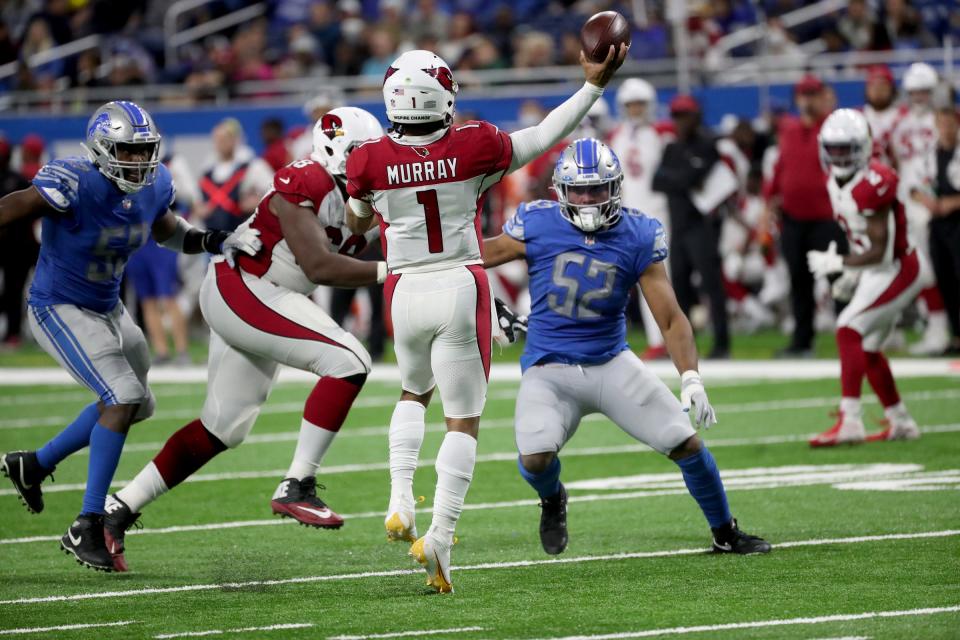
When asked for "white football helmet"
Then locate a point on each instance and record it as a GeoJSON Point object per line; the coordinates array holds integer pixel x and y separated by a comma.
{"type": "Point", "coordinates": [419, 87]}
{"type": "Point", "coordinates": [337, 132]}
{"type": "Point", "coordinates": [845, 142]}
{"type": "Point", "coordinates": [920, 77]}
{"type": "Point", "coordinates": [635, 90]}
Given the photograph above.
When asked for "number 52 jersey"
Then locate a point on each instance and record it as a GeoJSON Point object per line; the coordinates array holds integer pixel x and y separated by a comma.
{"type": "Point", "coordinates": [580, 283]}
{"type": "Point", "coordinates": [429, 192]}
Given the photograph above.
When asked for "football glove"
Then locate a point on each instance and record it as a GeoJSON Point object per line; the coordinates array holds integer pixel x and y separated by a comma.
{"type": "Point", "coordinates": [825, 263]}
{"type": "Point", "coordinates": [245, 239]}
{"type": "Point", "coordinates": [693, 395]}
{"type": "Point", "coordinates": [511, 324]}
{"type": "Point", "coordinates": [843, 287]}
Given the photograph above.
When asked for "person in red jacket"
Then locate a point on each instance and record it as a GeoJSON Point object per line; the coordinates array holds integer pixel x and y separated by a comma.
{"type": "Point", "coordinates": [798, 192]}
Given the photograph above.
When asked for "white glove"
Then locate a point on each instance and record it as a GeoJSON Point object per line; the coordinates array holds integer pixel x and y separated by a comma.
{"type": "Point", "coordinates": [843, 287]}
{"type": "Point", "coordinates": [825, 263]}
{"type": "Point", "coordinates": [692, 394]}
{"type": "Point", "coordinates": [245, 239]}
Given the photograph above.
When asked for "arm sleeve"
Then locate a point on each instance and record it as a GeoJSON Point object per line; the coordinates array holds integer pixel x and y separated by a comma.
{"type": "Point", "coordinates": [515, 227]}
{"type": "Point", "coordinates": [356, 184]}
{"type": "Point", "coordinates": [559, 123]}
{"type": "Point", "coordinates": [59, 184]}
{"type": "Point", "coordinates": [656, 250]}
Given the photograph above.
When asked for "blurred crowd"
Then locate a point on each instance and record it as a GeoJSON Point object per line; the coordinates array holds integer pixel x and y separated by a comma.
{"type": "Point", "coordinates": [298, 38]}
{"type": "Point", "coordinates": [742, 204]}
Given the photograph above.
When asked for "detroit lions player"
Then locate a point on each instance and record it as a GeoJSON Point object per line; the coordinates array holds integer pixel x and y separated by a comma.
{"type": "Point", "coordinates": [584, 254]}
{"type": "Point", "coordinates": [96, 211]}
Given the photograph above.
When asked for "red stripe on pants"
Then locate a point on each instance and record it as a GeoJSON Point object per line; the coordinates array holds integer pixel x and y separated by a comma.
{"type": "Point", "coordinates": [909, 270]}
{"type": "Point", "coordinates": [484, 329]}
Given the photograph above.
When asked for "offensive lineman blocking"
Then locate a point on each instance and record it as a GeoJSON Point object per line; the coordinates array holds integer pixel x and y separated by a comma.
{"type": "Point", "coordinates": [585, 253]}
{"type": "Point", "coordinates": [427, 181]}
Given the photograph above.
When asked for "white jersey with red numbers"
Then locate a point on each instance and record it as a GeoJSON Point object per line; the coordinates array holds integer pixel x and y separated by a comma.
{"type": "Point", "coordinates": [639, 148]}
{"type": "Point", "coordinates": [429, 194]}
{"type": "Point", "coordinates": [305, 183]}
{"type": "Point", "coordinates": [871, 189]}
{"type": "Point", "coordinates": [913, 137]}
{"type": "Point", "coordinates": [881, 124]}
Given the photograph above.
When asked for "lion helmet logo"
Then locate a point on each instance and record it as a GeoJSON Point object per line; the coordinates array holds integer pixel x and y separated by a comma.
{"type": "Point", "coordinates": [332, 126]}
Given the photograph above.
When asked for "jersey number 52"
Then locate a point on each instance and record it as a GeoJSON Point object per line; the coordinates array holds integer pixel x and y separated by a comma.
{"type": "Point", "coordinates": [574, 305]}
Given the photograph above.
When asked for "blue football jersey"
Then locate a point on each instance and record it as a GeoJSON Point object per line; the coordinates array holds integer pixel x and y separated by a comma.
{"type": "Point", "coordinates": [83, 251]}
{"type": "Point", "coordinates": [580, 283]}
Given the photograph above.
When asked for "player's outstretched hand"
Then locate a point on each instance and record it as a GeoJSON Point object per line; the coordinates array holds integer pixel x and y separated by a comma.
{"type": "Point", "coordinates": [694, 396]}
{"type": "Point", "coordinates": [825, 263]}
{"type": "Point", "coordinates": [245, 239]}
{"type": "Point", "coordinates": [511, 324]}
{"type": "Point", "coordinates": [599, 73]}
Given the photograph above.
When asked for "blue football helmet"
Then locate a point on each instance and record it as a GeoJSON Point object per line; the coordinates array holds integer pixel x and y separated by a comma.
{"type": "Point", "coordinates": [113, 127]}
{"type": "Point", "coordinates": [588, 166]}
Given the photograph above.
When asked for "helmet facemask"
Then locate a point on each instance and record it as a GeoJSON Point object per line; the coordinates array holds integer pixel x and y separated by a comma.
{"type": "Point", "coordinates": [117, 135]}
{"type": "Point", "coordinates": [597, 203]}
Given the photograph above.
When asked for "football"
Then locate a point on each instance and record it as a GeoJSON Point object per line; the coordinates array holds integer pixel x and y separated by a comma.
{"type": "Point", "coordinates": [602, 30]}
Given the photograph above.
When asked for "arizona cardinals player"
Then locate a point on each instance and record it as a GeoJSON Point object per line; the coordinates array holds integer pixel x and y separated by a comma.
{"type": "Point", "coordinates": [881, 276]}
{"type": "Point", "coordinates": [881, 110]}
{"type": "Point", "coordinates": [260, 317]}
{"type": "Point", "coordinates": [427, 181]}
{"type": "Point", "coordinates": [913, 139]}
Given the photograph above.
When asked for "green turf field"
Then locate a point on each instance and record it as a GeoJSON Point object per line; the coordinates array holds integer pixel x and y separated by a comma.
{"type": "Point", "coordinates": [211, 557]}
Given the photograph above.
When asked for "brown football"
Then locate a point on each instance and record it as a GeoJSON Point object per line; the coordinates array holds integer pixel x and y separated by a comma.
{"type": "Point", "coordinates": [602, 30]}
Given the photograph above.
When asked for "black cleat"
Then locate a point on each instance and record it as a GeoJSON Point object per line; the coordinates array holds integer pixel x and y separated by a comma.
{"type": "Point", "coordinates": [84, 540]}
{"type": "Point", "coordinates": [118, 519]}
{"type": "Point", "coordinates": [26, 474]}
{"type": "Point", "coordinates": [730, 539]}
{"type": "Point", "coordinates": [553, 522]}
{"type": "Point", "coordinates": [298, 499]}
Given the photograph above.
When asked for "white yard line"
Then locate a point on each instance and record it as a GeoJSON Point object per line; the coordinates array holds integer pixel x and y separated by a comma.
{"type": "Point", "coordinates": [407, 634]}
{"type": "Point", "coordinates": [504, 456]}
{"type": "Point", "coordinates": [840, 617]}
{"type": "Point", "coordinates": [487, 566]}
{"type": "Point", "coordinates": [65, 627]}
{"type": "Point", "coordinates": [218, 632]}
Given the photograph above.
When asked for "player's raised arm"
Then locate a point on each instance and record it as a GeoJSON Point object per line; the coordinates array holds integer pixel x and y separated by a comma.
{"type": "Point", "coordinates": [24, 204]}
{"type": "Point", "coordinates": [534, 141]}
{"type": "Point", "coordinates": [502, 249]}
{"type": "Point", "coordinates": [308, 243]}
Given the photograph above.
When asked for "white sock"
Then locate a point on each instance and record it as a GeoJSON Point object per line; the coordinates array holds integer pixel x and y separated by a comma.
{"type": "Point", "coordinates": [144, 489]}
{"type": "Point", "coordinates": [455, 462]}
{"type": "Point", "coordinates": [406, 436]}
{"type": "Point", "coordinates": [851, 408]}
{"type": "Point", "coordinates": [896, 412]}
{"type": "Point", "coordinates": [312, 444]}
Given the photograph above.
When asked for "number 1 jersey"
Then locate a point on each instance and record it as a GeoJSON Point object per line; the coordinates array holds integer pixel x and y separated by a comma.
{"type": "Point", "coordinates": [429, 194]}
{"type": "Point", "coordinates": [580, 283]}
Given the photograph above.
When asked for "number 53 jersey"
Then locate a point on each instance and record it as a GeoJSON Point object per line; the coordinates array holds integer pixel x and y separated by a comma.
{"type": "Point", "coordinates": [580, 283]}
{"type": "Point", "coordinates": [84, 250]}
{"type": "Point", "coordinates": [429, 190]}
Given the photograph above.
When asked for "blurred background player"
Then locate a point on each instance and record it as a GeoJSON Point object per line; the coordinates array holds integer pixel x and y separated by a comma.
{"type": "Point", "coordinates": [97, 211]}
{"type": "Point", "coordinates": [912, 140]}
{"type": "Point", "coordinates": [427, 180]}
{"type": "Point", "coordinates": [585, 253]}
{"type": "Point", "coordinates": [638, 141]}
{"type": "Point", "coordinates": [18, 251]}
{"type": "Point", "coordinates": [881, 109]}
{"type": "Point", "coordinates": [260, 317]}
{"type": "Point", "coordinates": [880, 276]}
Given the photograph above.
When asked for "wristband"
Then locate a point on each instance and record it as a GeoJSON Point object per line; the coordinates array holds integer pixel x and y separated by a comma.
{"type": "Point", "coordinates": [360, 208]}
{"type": "Point", "coordinates": [690, 375]}
{"type": "Point", "coordinates": [381, 272]}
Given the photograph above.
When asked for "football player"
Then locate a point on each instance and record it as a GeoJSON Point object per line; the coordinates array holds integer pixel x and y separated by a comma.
{"type": "Point", "coordinates": [261, 316]}
{"type": "Point", "coordinates": [96, 211]}
{"type": "Point", "coordinates": [881, 276]}
{"type": "Point", "coordinates": [584, 254]}
{"type": "Point", "coordinates": [427, 181]}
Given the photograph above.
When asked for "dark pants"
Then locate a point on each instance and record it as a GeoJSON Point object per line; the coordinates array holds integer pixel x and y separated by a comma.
{"type": "Point", "coordinates": [697, 249]}
{"type": "Point", "coordinates": [796, 238]}
{"type": "Point", "coordinates": [945, 256]}
{"type": "Point", "coordinates": [18, 254]}
{"type": "Point", "coordinates": [342, 299]}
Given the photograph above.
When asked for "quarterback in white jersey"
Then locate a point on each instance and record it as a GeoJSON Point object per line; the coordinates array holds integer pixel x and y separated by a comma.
{"type": "Point", "coordinates": [260, 317]}
{"type": "Point", "coordinates": [881, 276]}
{"type": "Point", "coordinates": [426, 182]}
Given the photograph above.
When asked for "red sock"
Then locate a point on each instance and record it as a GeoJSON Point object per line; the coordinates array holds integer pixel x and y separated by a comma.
{"type": "Point", "coordinates": [330, 401]}
{"type": "Point", "coordinates": [852, 362]}
{"type": "Point", "coordinates": [881, 378]}
{"type": "Point", "coordinates": [933, 299]}
{"type": "Point", "coordinates": [186, 451]}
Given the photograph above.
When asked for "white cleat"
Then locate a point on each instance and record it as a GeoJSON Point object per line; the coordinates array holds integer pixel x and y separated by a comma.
{"type": "Point", "coordinates": [847, 430]}
{"type": "Point", "coordinates": [899, 427]}
{"type": "Point", "coordinates": [435, 557]}
{"type": "Point", "coordinates": [401, 526]}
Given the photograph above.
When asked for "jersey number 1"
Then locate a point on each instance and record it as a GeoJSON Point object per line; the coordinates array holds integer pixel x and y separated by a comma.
{"type": "Point", "coordinates": [431, 210]}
